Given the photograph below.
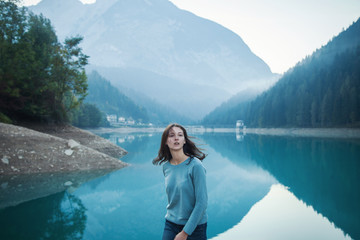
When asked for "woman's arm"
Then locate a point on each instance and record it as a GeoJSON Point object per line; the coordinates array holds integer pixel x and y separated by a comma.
{"type": "Point", "coordinates": [201, 198]}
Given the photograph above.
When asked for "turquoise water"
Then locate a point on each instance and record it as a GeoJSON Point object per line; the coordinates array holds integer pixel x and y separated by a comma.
{"type": "Point", "coordinates": [259, 187]}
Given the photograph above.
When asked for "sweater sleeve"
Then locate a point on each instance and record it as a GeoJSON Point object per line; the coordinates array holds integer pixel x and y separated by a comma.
{"type": "Point", "coordinates": [201, 198]}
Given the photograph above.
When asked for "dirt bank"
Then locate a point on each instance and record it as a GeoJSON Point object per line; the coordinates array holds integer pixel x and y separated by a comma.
{"type": "Point", "coordinates": [54, 149]}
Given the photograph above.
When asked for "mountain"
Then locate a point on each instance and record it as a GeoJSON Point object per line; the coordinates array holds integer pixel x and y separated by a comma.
{"type": "Point", "coordinates": [197, 63]}
{"type": "Point", "coordinates": [323, 90]}
{"type": "Point", "coordinates": [222, 115]}
{"type": "Point", "coordinates": [112, 100]}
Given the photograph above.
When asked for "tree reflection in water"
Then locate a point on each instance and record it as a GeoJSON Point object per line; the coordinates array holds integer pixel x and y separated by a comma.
{"type": "Point", "coordinates": [323, 173]}
{"type": "Point", "coordinates": [59, 216]}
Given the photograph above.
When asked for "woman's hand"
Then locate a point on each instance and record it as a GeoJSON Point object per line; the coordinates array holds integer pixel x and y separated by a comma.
{"type": "Point", "coordinates": [181, 236]}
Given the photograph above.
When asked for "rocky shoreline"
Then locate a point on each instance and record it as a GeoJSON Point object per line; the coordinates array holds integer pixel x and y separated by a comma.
{"type": "Point", "coordinates": [55, 149]}
{"type": "Point", "coordinates": [40, 160]}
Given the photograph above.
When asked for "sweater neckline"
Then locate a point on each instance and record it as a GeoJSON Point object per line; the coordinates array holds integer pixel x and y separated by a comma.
{"type": "Point", "coordinates": [185, 161]}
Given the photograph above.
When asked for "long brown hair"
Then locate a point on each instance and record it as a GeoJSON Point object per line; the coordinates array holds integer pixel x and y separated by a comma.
{"type": "Point", "coordinates": [190, 149]}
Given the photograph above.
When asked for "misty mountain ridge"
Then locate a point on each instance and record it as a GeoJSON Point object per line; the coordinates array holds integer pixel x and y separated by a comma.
{"type": "Point", "coordinates": [323, 90]}
{"type": "Point", "coordinates": [113, 101]}
{"type": "Point", "coordinates": [198, 56]}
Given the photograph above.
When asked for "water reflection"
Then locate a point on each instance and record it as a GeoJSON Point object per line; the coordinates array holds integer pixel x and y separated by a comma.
{"type": "Point", "coordinates": [16, 189]}
{"type": "Point", "coordinates": [59, 216]}
{"type": "Point", "coordinates": [247, 196]}
{"type": "Point", "coordinates": [280, 215]}
{"type": "Point", "coordinates": [130, 203]}
{"type": "Point", "coordinates": [323, 173]}
{"type": "Point", "coordinates": [234, 186]}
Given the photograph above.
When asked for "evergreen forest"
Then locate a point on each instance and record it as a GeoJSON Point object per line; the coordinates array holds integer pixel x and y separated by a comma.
{"type": "Point", "coordinates": [41, 79]}
{"type": "Point", "coordinates": [323, 90]}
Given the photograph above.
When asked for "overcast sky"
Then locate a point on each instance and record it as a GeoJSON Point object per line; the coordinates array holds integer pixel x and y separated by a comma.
{"type": "Point", "coordinates": [281, 32]}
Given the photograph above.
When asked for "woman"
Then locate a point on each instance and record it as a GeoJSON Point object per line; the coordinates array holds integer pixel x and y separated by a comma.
{"type": "Point", "coordinates": [185, 183]}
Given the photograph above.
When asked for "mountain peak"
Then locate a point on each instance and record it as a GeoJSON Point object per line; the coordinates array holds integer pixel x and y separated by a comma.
{"type": "Point", "coordinates": [154, 36]}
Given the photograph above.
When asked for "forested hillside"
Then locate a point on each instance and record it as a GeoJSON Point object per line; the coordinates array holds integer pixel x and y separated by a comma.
{"type": "Point", "coordinates": [323, 90]}
{"type": "Point", "coordinates": [126, 103]}
{"type": "Point", "coordinates": [111, 101]}
{"type": "Point", "coordinates": [40, 78]}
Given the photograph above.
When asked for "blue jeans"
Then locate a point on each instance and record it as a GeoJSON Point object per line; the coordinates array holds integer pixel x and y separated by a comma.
{"type": "Point", "coordinates": [171, 230]}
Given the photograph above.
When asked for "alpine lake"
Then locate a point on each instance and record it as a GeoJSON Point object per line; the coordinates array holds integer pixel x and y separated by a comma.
{"type": "Point", "coordinates": [259, 187]}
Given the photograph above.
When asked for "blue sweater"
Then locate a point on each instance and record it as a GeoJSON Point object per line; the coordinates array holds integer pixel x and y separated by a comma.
{"type": "Point", "coordinates": [187, 195]}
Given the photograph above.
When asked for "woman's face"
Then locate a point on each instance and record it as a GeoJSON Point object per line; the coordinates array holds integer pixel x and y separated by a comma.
{"type": "Point", "coordinates": [176, 138]}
